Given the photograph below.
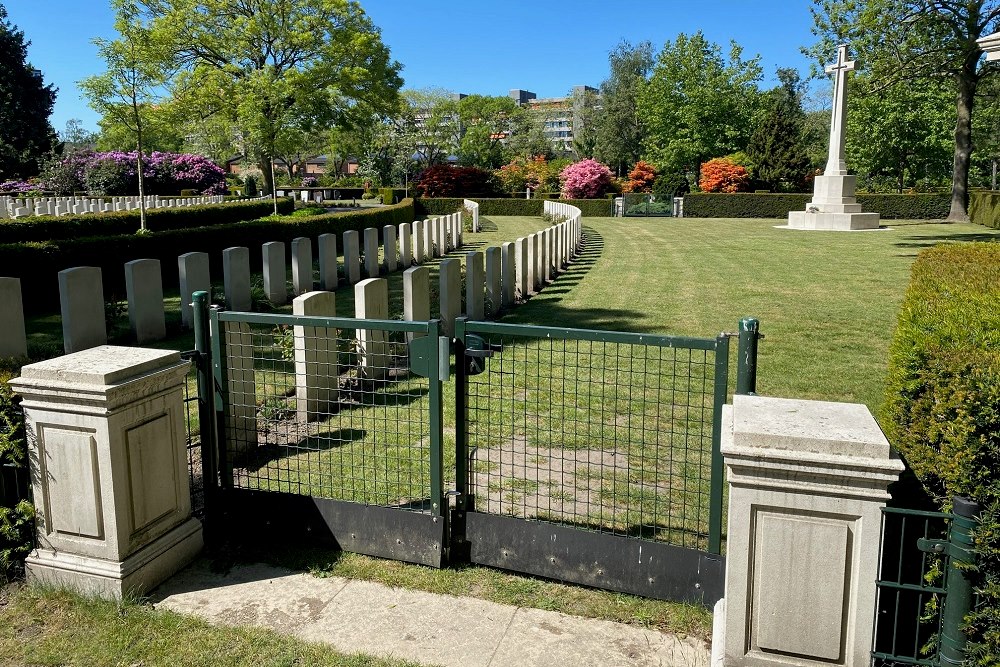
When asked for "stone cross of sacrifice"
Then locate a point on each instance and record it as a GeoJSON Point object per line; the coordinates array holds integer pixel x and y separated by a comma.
{"type": "Point", "coordinates": [835, 164]}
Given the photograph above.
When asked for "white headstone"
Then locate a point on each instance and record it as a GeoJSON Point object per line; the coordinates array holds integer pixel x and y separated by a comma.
{"type": "Point", "coordinates": [144, 289]}
{"type": "Point", "coordinates": [507, 276]}
{"type": "Point", "coordinates": [416, 296]}
{"type": "Point", "coordinates": [450, 290]}
{"type": "Point", "coordinates": [405, 246]}
{"type": "Point", "coordinates": [371, 252]}
{"type": "Point", "coordinates": [316, 371]}
{"type": "Point", "coordinates": [389, 246]}
{"type": "Point", "coordinates": [236, 278]}
{"type": "Point", "coordinates": [275, 272]}
{"type": "Point", "coordinates": [371, 302]}
{"type": "Point", "coordinates": [81, 305]}
{"type": "Point", "coordinates": [302, 265]}
{"type": "Point", "coordinates": [192, 273]}
{"type": "Point", "coordinates": [328, 278]}
{"type": "Point", "coordinates": [13, 341]}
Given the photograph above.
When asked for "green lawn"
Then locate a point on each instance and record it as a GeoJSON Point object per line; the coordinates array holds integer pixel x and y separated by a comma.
{"type": "Point", "coordinates": [45, 627]}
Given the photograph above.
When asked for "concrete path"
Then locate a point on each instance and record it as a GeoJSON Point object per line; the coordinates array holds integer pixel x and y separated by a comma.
{"type": "Point", "coordinates": [359, 616]}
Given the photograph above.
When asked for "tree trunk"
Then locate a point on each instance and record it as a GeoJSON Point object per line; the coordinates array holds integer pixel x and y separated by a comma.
{"type": "Point", "coordinates": [267, 174]}
{"type": "Point", "coordinates": [963, 146]}
{"type": "Point", "coordinates": [138, 151]}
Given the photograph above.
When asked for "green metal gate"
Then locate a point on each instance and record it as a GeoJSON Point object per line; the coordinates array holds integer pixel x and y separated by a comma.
{"type": "Point", "coordinates": [593, 457]}
{"type": "Point", "coordinates": [922, 593]}
{"type": "Point", "coordinates": [329, 428]}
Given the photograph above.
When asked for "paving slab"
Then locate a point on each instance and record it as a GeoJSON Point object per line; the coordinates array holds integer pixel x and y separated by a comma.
{"type": "Point", "coordinates": [432, 629]}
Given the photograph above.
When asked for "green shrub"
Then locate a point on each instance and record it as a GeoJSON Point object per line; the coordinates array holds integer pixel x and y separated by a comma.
{"type": "Point", "coordinates": [43, 260]}
{"type": "Point", "coordinates": [16, 514]}
{"type": "Point", "coordinates": [984, 208]}
{"type": "Point", "coordinates": [50, 228]}
{"type": "Point", "coordinates": [594, 208]}
{"type": "Point", "coordinates": [754, 205]}
{"type": "Point", "coordinates": [386, 195]}
{"type": "Point", "coordinates": [942, 407]}
{"type": "Point", "coordinates": [250, 183]}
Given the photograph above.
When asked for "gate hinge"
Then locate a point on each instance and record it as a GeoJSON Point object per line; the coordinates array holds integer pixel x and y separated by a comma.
{"type": "Point", "coordinates": [943, 547]}
{"type": "Point", "coordinates": [477, 351]}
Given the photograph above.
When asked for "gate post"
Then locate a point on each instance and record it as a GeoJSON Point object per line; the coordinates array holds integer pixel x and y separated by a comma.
{"type": "Point", "coordinates": [206, 405]}
{"type": "Point", "coordinates": [808, 481]}
{"type": "Point", "coordinates": [746, 356]}
{"type": "Point", "coordinates": [958, 600]}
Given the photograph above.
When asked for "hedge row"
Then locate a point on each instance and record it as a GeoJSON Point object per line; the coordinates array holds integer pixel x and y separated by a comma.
{"type": "Point", "coordinates": [38, 264]}
{"type": "Point", "coordinates": [16, 513]}
{"type": "Point", "coordinates": [942, 407]}
{"type": "Point", "coordinates": [594, 208]}
{"type": "Point", "coordinates": [984, 208]}
{"type": "Point", "coordinates": [49, 228]}
{"type": "Point", "coordinates": [747, 205]}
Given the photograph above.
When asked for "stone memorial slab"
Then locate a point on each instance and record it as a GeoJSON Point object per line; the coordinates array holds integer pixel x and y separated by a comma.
{"type": "Point", "coordinates": [302, 265]}
{"type": "Point", "coordinates": [81, 305]}
{"type": "Point", "coordinates": [371, 301]}
{"type": "Point", "coordinates": [475, 287]}
{"type": "Point", "coordinates": [275, 273]}
{"type": "Point", "coordinates": [316, 356]}
{"type": "Point", "coordinates": [236, 278]}
{"type": "Point", "coordinates": [328, 277]}
{"type": "Point", "coordinates": [450, 291]}
{"type": "Point", "coordinates": [352, 256]}
{"type": "Point", "coordinates": [13, 340]}
{"type": "Point", "coordinates": [144, 290]}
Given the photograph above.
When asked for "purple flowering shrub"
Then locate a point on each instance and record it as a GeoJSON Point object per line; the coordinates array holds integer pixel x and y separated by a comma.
{"type": "Point", "coordinates": [115, 173]}
{"type": "Point", "coordinates": [17, 187]}
{"type": "Point", "coordinates": [309, 182]}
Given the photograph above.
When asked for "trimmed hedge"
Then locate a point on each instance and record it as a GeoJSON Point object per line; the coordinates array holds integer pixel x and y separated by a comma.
{"type": "Point", "coordinates": [984, 208]}
{"type": "Point", "coordinates": [38, 264]}
{"type": "Point", "coordinates": [755, 205]}
{"type": "Point", "coordinates": [593, 208]}
{"type": "Point", "coordinates": [942, 406]}
{"type": "Point", "coordinates": [51, 228]}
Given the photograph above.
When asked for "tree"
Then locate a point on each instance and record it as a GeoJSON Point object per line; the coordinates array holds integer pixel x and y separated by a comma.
{"type": "Point", "coordinates": [487, 121]}
{"type": "Point", "coordinates": [25, 106]}
{"type": "Point", "coordinates": [276, 66]}
{"type": "Point", "coordinates": [162, 130]}
{"type": "Point", "coordinates": [75, 136]}
{"type": "Point", "coordinates": [619, 130]}
{"type": "Point", "coordinates": [918, 40]}
{"type": "Point", "coordinates": [129, 88]}
{"type": "Point", "coordinates": [641, 178]}
{"type": "Point", "coordinates": [776, 149]}
{"type": "Point", "coordinates": [901, 133]}
{"type": "Point", "coordinates": [430, 117]}
{"type": "Point", "coordinates": [585, 114]}
{"type": "Point", "coordinates": [697, 103]}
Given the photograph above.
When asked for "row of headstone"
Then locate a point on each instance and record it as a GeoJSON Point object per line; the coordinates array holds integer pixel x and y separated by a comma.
{"type": "Point", "coordinates": [494, 279]}
{"type": "Point", "coordinates": [14, 207]}
{"type": "Point", "coordinates": [81, 292]}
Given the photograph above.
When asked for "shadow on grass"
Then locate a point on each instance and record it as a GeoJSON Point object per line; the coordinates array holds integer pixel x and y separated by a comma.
{"type": "Point", "coordinates": [263, 455]}
{"type": "Point", "coordinates": [928, 241]}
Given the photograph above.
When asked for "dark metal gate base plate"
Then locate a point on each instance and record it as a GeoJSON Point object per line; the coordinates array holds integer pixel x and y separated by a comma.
{"type": "Point", "coordinates": [623, 564]}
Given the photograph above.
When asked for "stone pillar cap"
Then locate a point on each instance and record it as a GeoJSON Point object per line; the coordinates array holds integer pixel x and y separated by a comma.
{"type": "Point", "coordinates": [104, 365]}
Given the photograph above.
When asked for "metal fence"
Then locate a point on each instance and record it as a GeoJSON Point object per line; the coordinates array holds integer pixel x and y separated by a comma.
{"type": "Point", "coordinates": [636, 204]}
{"type": "Point", "coordinates": [607, 432]}
{"type": "Point", "coordinates": [319, 407]}
{"type": "Point", "coordinates": [922, 594]}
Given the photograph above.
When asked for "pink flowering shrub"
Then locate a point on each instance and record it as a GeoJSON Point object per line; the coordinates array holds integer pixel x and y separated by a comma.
{"type": "Point", "coordinates": [586, 179]}
{"type": "Point", "coordinates": [115, 173]}
{"type": "Point", "coordinates": [17, 187]}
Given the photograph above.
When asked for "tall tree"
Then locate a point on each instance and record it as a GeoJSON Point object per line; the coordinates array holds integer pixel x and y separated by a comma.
{"type": "Point", "coordinates": [618, 126]}
{"type": "Point", "coordinates": [698, 104]}
{"type": "Point", "coordinates": [917, 40]}
{"type": "Point", "coordinates": [125, 93]}
{"type": "Point", "coordinates": [431, 117]}
{"type": "Point", "coordinates": [776, 151]}
{"type": "Point", "coordinates": [585, 114]}
{"type": "Point", "coordinates": [75, 136]}
{"type": "Point", "coordinates": [276, 66]}
{"type": "Point", "coordinates": [901, 133]}
{"type": "Point", "coordinates": [25, 106]}
{"type": "Point", "coordinates": [487, 122]}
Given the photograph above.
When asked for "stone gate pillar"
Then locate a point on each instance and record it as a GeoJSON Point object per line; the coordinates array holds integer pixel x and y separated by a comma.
{"type": "Point", "coordinates": [807, 482]}
{"type": "Point", "coordinates": [106, 448]}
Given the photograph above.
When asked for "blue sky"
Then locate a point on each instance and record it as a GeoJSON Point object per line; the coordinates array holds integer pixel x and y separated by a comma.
{"type": "Point", "coordinates": [468, 46]}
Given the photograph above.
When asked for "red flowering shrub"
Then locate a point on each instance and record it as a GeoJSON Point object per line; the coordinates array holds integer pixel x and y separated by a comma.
{"type": "Point", "coordinates": [586, 179]}
{"type": "Point", "coordinates": [443, 180]}
{"type": "Point", "coordinates": [641, 178]}
{"type": "Point", "coordinates": [723, 175]}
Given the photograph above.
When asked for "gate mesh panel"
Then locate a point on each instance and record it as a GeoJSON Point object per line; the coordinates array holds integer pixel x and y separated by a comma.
{"type": "Point", "coordinates": [611, 437]}
{"type": "Point", "coordinates": [332, 413]}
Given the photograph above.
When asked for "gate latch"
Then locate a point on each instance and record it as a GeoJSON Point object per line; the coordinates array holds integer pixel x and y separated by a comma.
{"type": "Point", "coordinates": [477, 351]}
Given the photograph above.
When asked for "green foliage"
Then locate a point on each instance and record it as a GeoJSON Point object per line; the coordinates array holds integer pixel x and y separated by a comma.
{"type": "Point", "coordinates": [776, 153]}
{"type": "Point", "coordinates": [43, 260]}
{"type": "Point", "coordinates": [25, 106]}
{"type": "Point", "coordinates": [984, 209]}
{"type": "Point", "coordinates": [671, 185]}
{"type": "Point", "coordinates": [697, 104]}
{"type": "Point", "coordinates": [16, 514]}
{"type": "Point", "coordinates": [486, 121]}
{"type": "Point", "coordinates": [50, 228]}
{"type": "Point", "coordinates": [620, 132]}
{"type": "Point", "coordinates": [597, 208]}
{"type": "Point", "coordinates": [386, 195]}
{"type": "Point", "coordinates": [250, 184]}
{"type": "Point", "coordinates": [754, 205]}
{"type": "Point", "coordinates": [942, 406]}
